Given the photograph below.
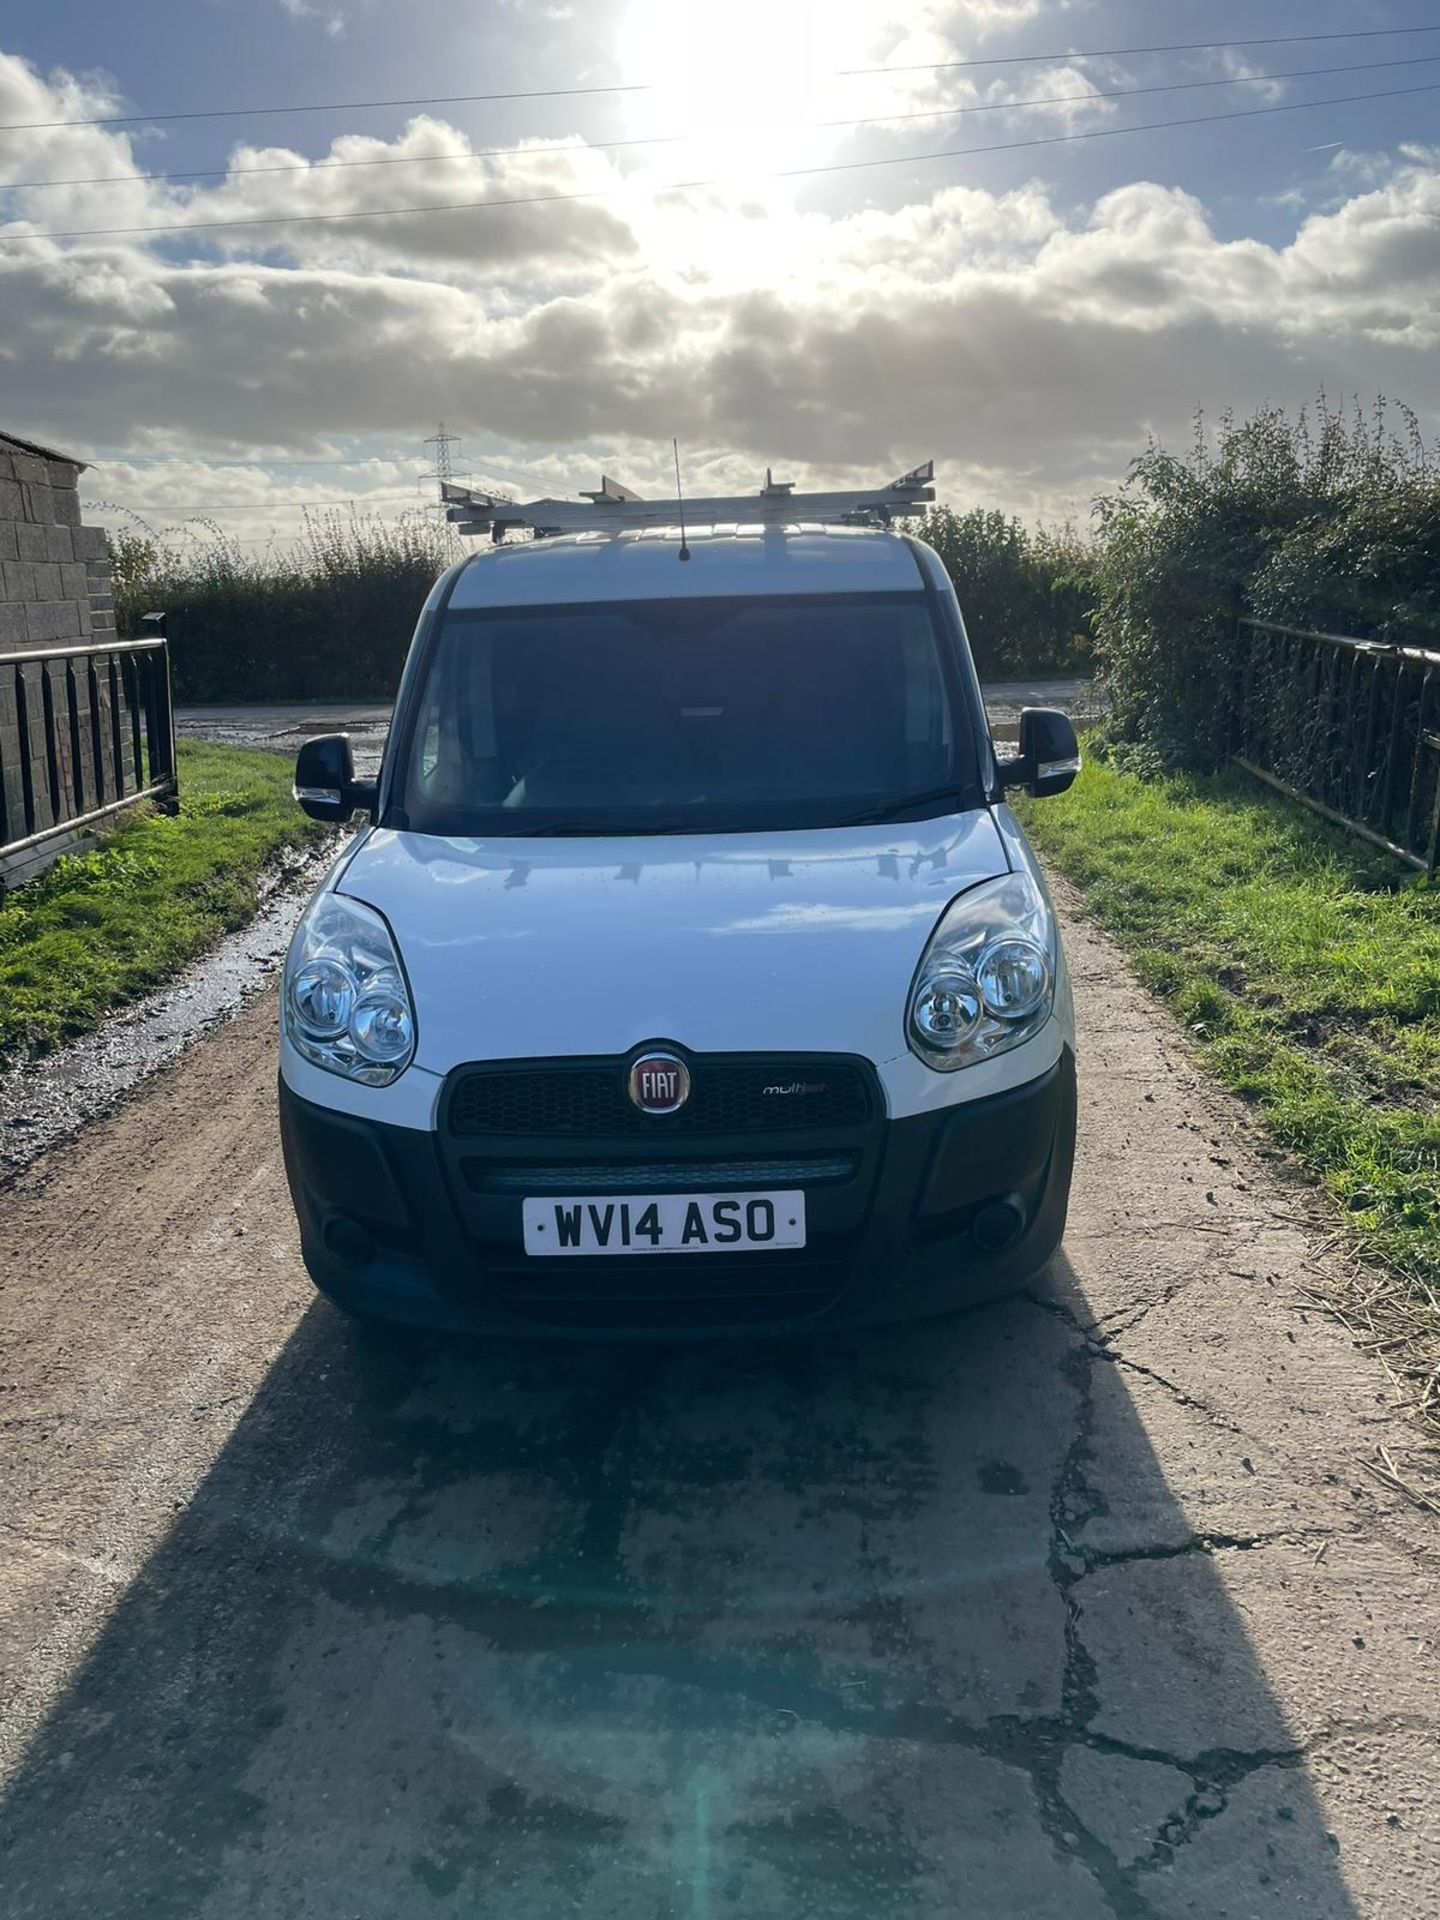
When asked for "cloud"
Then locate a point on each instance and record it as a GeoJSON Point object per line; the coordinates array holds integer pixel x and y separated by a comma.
{"type": "Point", "coordinates": [1259, 90]}
{"type": "Point", "coordinates": [924, 47]}
{"type": "Point", "coordinates": [266, 187]}
{"type": "Point", "coordinates": [1005, 335]}
{"type": "Point", "coordinates": [429, 163]}
{"type": "Point", "coordinates": [330, 16]}
{"type": "Point", "coordinates": [951, 22]}
{"type": "Point", "coordinates": [251, 501]}
{"type": "Point", "coordinates": [55, 152]}
{"type": "Point", "coordinates": [1031, 344]}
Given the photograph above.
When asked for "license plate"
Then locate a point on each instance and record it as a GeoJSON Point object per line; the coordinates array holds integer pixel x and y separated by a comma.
{"type": "Point", "coordinates": [665, 1223]}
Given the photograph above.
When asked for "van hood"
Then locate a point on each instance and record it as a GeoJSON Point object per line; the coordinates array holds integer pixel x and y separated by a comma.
{"type": "Point", "coordinates": [787, 942]}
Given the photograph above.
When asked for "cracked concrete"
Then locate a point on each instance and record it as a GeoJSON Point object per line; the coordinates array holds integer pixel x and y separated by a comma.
{"type": "Point", "coordinates": [1082, 1605]}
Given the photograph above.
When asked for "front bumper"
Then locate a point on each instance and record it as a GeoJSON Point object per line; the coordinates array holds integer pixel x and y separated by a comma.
{"type": "Point", "coordinates": [388, 1231]}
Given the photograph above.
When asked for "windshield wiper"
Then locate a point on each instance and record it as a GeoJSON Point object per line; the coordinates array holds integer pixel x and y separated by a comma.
{"type": "Point", "coordinates": [903, 803]}
{"type": "Point", "coordinates": [896, 807]}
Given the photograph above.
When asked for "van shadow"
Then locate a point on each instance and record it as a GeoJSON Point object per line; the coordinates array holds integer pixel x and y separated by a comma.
{"type": "Point", "coordinates": [802, 1629]}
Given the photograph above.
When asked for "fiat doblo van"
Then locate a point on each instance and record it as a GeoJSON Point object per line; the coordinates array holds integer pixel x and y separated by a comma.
{"type": "Point", "coordinates": [690, 974]}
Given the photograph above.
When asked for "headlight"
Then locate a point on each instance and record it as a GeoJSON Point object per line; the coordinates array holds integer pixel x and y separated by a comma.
{"type": "Point", "coordinates": [987, 979]}
{"type": "Point", "coordinates": [346, 1003]}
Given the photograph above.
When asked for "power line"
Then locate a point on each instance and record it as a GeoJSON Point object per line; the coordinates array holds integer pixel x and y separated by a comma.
{"type": "Point", "coordinates": [258, 460]}
{"type": "Point", "coordinates": [279, 506]}
{"type": "Point", "coordinates": [679, 139]}
{"type": "Point", "coordinates": [1118, 53]}
{"type": "Point", "coordinates": [532, 475]}
{"type": "Point", "coordinates": [571, 93]}
{"type": "Point", "coordinates": [716, 180]}
{"type": "Point", "coordinates": [188, 523]}
{"type": "Point", "coordinates": [323, 106]}
{"type": "Point", "coordinates": [230, 539]}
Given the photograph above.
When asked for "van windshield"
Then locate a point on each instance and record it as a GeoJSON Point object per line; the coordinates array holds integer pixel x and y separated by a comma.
{"type": "Point", "coordinates": [681, 715]}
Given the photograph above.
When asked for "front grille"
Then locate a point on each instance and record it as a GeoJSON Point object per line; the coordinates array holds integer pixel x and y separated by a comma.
{"type": "Point", "coordinates": [657, 1176]}
{"type": "Point", "coordinates": [772, 1095]}
{"type": "Point", "coordinates": [753, 1122]}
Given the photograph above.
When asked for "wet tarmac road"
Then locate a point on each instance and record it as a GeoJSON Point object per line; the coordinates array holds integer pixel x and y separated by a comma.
{"type": "Point", "coordinates": [1079, 1606]}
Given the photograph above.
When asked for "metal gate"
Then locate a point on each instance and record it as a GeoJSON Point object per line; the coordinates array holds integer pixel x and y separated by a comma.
{"type": "Point", "coordinates": [1349, 728]}
{"type": "Point", "coordinates": [84, 733]}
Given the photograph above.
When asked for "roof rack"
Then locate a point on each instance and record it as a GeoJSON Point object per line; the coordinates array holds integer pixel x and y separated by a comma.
{"type": "Point", "coordinates": [612, 508]}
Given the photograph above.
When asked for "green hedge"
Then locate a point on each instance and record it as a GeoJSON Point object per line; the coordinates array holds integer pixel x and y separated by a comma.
{"type": "Point", "coordinates": [1330, 521]}
{"type": "Point", "coordinates": [330, 619]}
{"type": "Point", "coordinates": [1027, 596]}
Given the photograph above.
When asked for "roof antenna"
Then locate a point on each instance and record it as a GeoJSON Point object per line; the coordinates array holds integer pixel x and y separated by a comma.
{"type": "Point", "coordinates": [680, 497]}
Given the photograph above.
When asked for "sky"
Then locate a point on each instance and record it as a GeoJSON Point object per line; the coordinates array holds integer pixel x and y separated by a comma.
{"type": "Point", "coordinates": [834, 237]}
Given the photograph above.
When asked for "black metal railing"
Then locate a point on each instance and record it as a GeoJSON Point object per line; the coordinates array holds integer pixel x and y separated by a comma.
{"type": "Point", "coordinates": [1349, 728]}
{"type": "Point", "coordinates": [84, 732]}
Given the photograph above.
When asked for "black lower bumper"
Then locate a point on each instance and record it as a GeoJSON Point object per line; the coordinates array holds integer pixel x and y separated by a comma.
{"type": "Point", "coordinates": [960, 1206]}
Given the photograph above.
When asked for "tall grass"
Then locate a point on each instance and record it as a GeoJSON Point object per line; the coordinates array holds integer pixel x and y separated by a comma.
{"type": "Point", "coordinates": [330, 616]}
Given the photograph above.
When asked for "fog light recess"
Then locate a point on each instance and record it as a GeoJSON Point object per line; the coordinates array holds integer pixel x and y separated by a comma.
{"type": "Point", "coordinates": [348, 1240]}
{"type": "Point", "coordinates": [999, 1224]}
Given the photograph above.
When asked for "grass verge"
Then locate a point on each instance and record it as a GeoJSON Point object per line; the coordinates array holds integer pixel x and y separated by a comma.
{"type": "Point", "coordinates": [102, 927]}
{"type": "Point", "coordinates": [1306, 968]}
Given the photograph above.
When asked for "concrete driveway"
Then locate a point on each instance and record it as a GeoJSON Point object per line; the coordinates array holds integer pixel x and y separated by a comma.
{"type": "Point", "coordinates": [1079, 1606]}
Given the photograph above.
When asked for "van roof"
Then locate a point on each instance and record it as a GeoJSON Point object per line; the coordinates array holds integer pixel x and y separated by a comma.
{"type": "Point", "coordinates": [569, 569]}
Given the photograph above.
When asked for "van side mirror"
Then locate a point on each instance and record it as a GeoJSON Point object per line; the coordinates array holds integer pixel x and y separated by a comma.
{"type": "Point", "coordinates": [325, 783]}
{"type": "Point", "coordinates": [1049, 756]}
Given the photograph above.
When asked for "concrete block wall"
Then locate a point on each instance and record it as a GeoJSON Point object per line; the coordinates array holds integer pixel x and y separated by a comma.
{"type": "Point", "coordinates": [54, 572]}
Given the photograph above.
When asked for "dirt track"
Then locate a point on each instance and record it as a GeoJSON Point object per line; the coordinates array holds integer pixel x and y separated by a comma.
{"type": "Point", "coordinates": [1080, 1606]}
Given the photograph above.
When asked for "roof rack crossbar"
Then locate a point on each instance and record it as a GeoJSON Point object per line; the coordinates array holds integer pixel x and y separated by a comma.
{"type": "Point", "coordinates": [610, 492]}
{"type": "Point", "coordinates": [615, 509]}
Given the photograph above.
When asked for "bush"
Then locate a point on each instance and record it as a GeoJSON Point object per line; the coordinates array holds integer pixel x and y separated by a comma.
{"type": "Point", "coordinates": [330, 618]}
{"type": "Point", "coordinates": [1026, 597]}
{"type": "Point", "coordinates": [1330, 521]}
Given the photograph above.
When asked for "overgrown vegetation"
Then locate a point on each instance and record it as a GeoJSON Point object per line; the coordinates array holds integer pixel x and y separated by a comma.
{"type": "Point", "coordinates": [1307, 968]}
{"type": "Point", "coordinates": [104, 926]}
{"type": "Point", "coordinates": [1329, 520]}
{"type": "Point", "coordinates": [1027, 595]}
{"type": "Point", "coordinates": [329, 617]}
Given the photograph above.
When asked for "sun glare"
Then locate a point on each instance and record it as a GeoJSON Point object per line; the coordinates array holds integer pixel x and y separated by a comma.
{"type": "Point", "coordinates": [741, 81]}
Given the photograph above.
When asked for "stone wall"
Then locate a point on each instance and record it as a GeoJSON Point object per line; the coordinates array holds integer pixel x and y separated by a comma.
{"type": "Point", "coordinates": [54, 573]}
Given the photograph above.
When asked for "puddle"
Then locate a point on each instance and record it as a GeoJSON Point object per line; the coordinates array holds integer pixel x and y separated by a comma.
{"type": "Point", "coordinates": [1004, 701]}
{"type": "Point", "coordinates": [48, 1100]}
{"type": "Point", "coordinates": [282, 729]}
